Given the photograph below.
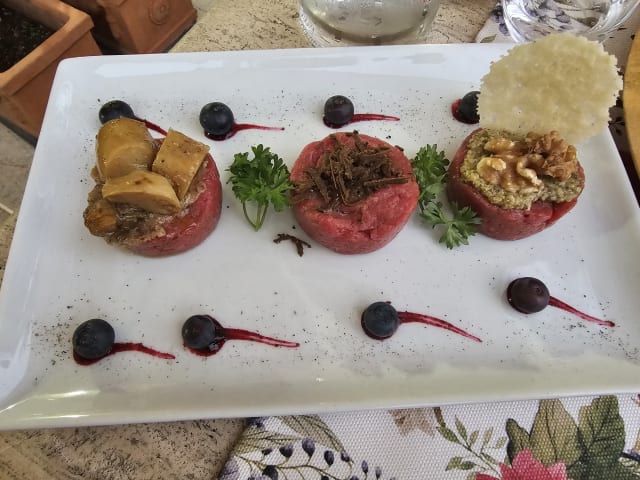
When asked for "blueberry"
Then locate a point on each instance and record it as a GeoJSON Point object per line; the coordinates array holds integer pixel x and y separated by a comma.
{"type": "Point", "coordinates": [380, 320]}
{"type": "Point", "coordinates": [216, 119]}
{"type": "Point", "coordinates": [115, 109]}
{"type": "Point", "coordinates": [468, 108]}
{"type": "Point", "coordinates": [338, 111]}
{"type": "Point", "coordinates": [528, 295]}
{"type": "Point", "coordinates": [93, 339]}
{"type": "Point", "coordinates": [200, 332]}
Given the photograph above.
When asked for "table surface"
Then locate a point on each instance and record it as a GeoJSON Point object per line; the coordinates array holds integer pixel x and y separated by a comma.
{"type": "Point", "coordinates": [194, 449]}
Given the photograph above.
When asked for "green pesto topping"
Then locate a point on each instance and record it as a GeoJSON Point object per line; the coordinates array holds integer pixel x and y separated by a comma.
{"type": "Point", "coordinates": [553, 190]}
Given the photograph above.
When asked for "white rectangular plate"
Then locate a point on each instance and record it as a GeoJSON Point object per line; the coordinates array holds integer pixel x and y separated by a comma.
{"type": "Point", "coordinates": [58, 275]}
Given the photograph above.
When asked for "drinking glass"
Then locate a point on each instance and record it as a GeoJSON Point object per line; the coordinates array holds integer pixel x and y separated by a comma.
{"type": "Point", "coordinates": [594, 19]}
{"type": "Point", "coordinates": [366, 22]}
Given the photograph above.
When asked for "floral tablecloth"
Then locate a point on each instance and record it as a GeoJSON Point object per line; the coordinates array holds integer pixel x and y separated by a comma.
{"type": "Point", "coordinates": [582, 438]}
{"type": "Point", "coordinates": [578, 438]}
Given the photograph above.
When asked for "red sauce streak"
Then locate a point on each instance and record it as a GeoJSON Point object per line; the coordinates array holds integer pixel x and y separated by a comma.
{"type": "Point", "coordinates": [239, 334]}
{"type": "Point", "coordinates": [236, 128]}
{"type": "Point", "coordinates": [407, 317]}
{"type": "Point", "coordinates": [152, 126]}
{"type": "Point", "coordinates": [554, 302]}
{"type": "Point", "coordinates": [362, 117]}
{"type": "Point", "coordinates": [454, 112]}
{"type": "Point", "coordinates": [125, 347]}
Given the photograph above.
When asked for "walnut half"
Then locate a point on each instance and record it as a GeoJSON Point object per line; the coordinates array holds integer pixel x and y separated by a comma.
{"type": "Point", "coordinates": [553, 155]}
{"type": "Point", "coordinates": [516, 166]}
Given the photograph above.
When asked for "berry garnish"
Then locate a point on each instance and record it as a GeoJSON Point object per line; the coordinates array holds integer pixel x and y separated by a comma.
{"type": "Point", "coordinates": [338, 111]}
{"type": "Point", "coordinates": [530, 295]}
{"type": "Point", "coordinates": [380, 321]}
{"type": "Point", "coordinates": [205, 336]}
{"type": "Point", "coordinates": [93, 339]}
{"type": "Point", "coordinates": [200, 332]}
{"type": "Point", "coordinates": [115, 109]}
{"type": "Point", "coordinates": [219, 124]}
{"type": "Point", "coordinates": [466, 109]}
{"type": "Point", "coordinates": [217, 119]}
{"type": "Point", "coordinates": [119, 109]}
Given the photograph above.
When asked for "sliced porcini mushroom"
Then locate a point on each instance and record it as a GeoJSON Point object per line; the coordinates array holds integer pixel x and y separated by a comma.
{"type": "Point", "coordinates": [101, 218]}
{"type": "Point", "coordinates": [123, 145]}
{"type": "Point", "coordinates": [147, 190]}
{"type": "Point", "coordinates": [179, 159]}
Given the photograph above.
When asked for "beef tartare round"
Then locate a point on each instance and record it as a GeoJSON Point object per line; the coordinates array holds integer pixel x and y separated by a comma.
{"type": "Point", "coordinates": [152, 197]}
{"type": "Point", "coordinates": [518, 185]}
{"type": "Point", "coordinates": [353, 193]}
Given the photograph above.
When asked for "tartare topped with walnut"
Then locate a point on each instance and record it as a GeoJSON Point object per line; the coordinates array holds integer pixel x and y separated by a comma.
{"type": "Point", "coordinates": [520, 171]}
{"type": "Point", "coordinates": [513, 171]}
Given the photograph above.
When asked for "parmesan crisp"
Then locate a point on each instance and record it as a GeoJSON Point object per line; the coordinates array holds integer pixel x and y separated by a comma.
{"type": "Point", "coordinates": [561, 82]}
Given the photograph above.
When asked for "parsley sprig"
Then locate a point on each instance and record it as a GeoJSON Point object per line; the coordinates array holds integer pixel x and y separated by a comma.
{"type": "Point", "coordinates": [262, 181]}
{"type": "Point", "coordinates": [430, 170]}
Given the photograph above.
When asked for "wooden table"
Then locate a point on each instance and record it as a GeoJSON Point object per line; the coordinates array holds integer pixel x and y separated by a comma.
{"type": "Point", "coordinates": [631, 98]}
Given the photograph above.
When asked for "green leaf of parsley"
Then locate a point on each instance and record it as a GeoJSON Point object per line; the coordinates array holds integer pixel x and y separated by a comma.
{"type": "Point", "coordinates": [430, 170]}
{"type": "Point", "coordinates": [261, 181]}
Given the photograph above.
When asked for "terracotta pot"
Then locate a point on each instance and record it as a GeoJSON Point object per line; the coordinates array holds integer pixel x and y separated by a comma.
{"type": "Point", "coordinates": [25, 87]}
{"type": "Point", "coordinates": [138, 26]}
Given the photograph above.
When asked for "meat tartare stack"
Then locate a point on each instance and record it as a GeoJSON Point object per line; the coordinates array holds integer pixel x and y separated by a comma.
{"type": "Point", "coordinates": [152, 197]}
{"type": "Point", "coordinates": [520, 172]}
{"type": "Point", "coordinates": [353, 193]}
